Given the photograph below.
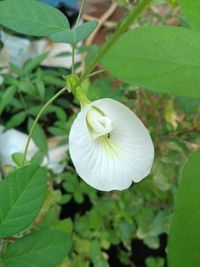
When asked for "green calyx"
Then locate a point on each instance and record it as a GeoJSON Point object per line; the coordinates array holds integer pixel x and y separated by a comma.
{"type": "Point", "coordinates": [71, 81]}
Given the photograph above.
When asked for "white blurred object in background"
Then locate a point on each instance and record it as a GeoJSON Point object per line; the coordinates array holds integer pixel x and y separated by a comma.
{"type": "Point", "coordinates": [13, 141]}
{"type": "Point", "coordinates": [19, 50]}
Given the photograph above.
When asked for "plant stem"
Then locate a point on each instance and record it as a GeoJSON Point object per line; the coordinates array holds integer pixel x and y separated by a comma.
{"type": "Point", "coordinates": [73, 58]}
{"type": "Point", "coordinates": [4, 246]}
{"type": "Point", "coordinates": [37, 119]}
{"type": "Point", "coordinates": [79, 14]}
{"type": "Point", "coordinates": [96, 73]}
{"type": "Point", "coordinates": [77, 22]}
{"type": "Point", "coordinates": [133, 15]}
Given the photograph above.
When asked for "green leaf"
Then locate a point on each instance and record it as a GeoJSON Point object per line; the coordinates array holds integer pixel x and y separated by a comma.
{"type": "Point", "coordinates": [21, 198]}
{"type": "Point", "coordinates": [191, 10]}
{"type": "Point", "coordinates": [65, 225]}
{"type": "Point", "coordinates": [51, 80]}
{"type": "Point", "coordinates": [85, 29]}
{"type": "Point", "coordinates": [45, 248]}
{"type": "Point", "coordinates": [16, 120]}
{"type": "Point", "coordinates": [32, 17]}
{"type": "Point", "coordinates": [126, 232]}
{"type": "Point", "coordinates": [18, 159]}
{"type": "Point", "coordinates": [39, 137]}
{"type": "Point", "coordinates": [71, 183]}
{"type": "Point", "coordinates": [7, 97]}
{"type": "Point", "coordinates": [32, 64]}
{"type": "Point", "coordinates": [65, 199]}
{"type": "Point", "coordinates": [56, 131]}
{"type": "Point", "coordinates": [75, 35]}
{"type": "Point", "coordinates": [38, 157]}
{"type": "Point", "coordinates": [163, 59]}
{"type": "Point", "coordinates": [101, 262]}
{"type": "Point", "coordinates": [155, 262]}
{"type": "Point", "coordinates": [184, 241]}
{"type": "Point", "coordinates": [152, 242]}
{"type": "Point", "coordinates": [17, 70]}
{"type": "Point", "coordinates": [40, 88]}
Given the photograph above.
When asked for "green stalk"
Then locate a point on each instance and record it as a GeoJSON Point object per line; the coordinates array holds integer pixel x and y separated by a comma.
{"type": "Point", "coordinates": [73, 46]}
{"type": "Point", "coordinates": [132, 16]}
{"type": "Point", "coordinates": [96, 73]}
{"type": "Point", "coordinates": [73, 58]}
{"type": "Point", "coordinates": [79, 14]}
{"type": "Point", "coordinates": [37, 119]}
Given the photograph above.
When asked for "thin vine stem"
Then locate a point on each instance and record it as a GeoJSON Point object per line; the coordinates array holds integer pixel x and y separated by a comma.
{"type": "Point", "coordinates": [80, 12]}
{"type": "Point", "coordinates": [133, 15]}
{"type": "Point", "coordinates": [37, 119]}
{"type": "Point", "coordinates": [5, 244]}
{"type": "Point", "coordinates": [96, 73]}
{"type": "Point", "coordinates": [73, 46]}
{"type": "Point", "coordinates": [73, 58]}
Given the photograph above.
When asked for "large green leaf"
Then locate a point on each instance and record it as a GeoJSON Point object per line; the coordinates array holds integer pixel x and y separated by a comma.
{"type": "Point", "coordinates": [45, 248]}
{"type": "Point", "coordinates": [191, 10]}
{"type": "Point", "coordinates": [184, 241]}
{"type": "Point", "coordinates": [163, 59]}
{"type": "Point", "coordinates": [31, 17]}
{"type": "Point", "coordinates": [21, 197]}
{"type": "Point", "coordinates": [75, 35]}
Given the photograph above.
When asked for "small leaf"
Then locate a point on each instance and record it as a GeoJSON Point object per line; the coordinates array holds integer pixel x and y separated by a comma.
{"type": "Point", "coordinates": [38, 157]}
{"type": "Point", "coordinates": [32, 64]}
{"type": "Point", "coordinates": [18, 159]}
{"type": "Point", "coordinates": [45, 248]}
{"type": "Point", "coordinates": [66, 36]}
{"type": "Point", "coordinates": [155, 262]}
{"type": "Point", "coordinates": [7, 97]}
{"type": "Point", "coordinates": [40, 88]}
{"type": "Point", "coordinates": [75, 35]}
{"type": "Point", "coordinates": [84, 30]}
{"type": "Point", "coordinates": [184, 241]}
{"type": "Point", "coordinates": [65, 199]}
{"type": "Point", "coordinates": [17, 70]}
{"type": "Point", "coordinates": [56, 131]}
{"type": "Point", "coordinates": [32, 17]}
{"type": "Point", "coordinates": [65, 225]}
{"type": "Point", "coordinates": [71, 183]}
{"type": "Point", "coordinates": [39, 137]}
{"type": "Point", "coordinates": [16, 120]}
{"type": "Point", "coordinates": [21, 198]}
{"type": "Point", "coordinates": [53, 80]}
{"type": "Point", "coordinates": [163, 59]}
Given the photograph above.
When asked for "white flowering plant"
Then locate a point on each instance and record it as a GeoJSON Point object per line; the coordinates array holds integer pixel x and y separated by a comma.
{"type": "Point", "coordinates": [109, 145]}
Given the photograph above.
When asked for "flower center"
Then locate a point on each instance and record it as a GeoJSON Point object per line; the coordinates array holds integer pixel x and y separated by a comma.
{"type": "Point", "coordinates": [99, 124]}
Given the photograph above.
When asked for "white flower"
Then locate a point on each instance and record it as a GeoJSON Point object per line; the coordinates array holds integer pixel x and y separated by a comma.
{"type": "Point", "coordinates": [109, 146]}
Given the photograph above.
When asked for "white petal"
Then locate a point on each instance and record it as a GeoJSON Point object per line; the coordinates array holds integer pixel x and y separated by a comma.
{"type": "Point", "coordinates": [98, 123]}
{"type": "Point", "coordinates": [111, 163]}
